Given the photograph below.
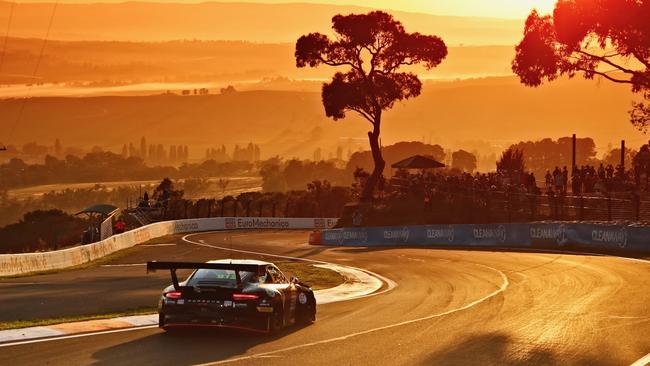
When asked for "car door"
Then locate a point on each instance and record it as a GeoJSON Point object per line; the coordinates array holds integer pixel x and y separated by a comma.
{"type": "Point", "coordinates": [288, 293]}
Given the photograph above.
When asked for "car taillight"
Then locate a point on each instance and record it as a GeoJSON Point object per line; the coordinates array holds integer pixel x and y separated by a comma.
{"type": "Point", "coordinates": [243, 297]}
{"type": "Point", "coordinates": [173, 295]}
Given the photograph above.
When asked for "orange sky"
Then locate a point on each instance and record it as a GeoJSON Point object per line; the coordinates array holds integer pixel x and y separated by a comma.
{"type": "Point", "coordinates": [487, 8]}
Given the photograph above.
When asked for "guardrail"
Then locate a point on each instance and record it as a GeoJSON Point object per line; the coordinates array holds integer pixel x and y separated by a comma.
{"type": "Point", "coordinates": [532, 235]}
{"type": "Point", "coordinates": [18, 264]}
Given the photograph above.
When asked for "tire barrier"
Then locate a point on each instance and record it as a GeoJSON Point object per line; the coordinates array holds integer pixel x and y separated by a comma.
{"type": "Point", "coordinates": [533, 235]}
{"type": "Point", "coordinates": [19, 264]}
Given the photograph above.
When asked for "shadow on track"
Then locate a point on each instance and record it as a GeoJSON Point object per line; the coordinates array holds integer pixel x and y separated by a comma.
{"type": "Point", "coordinates": [185, 347]}
{"type": "Point", "coordinates": [501, 349]}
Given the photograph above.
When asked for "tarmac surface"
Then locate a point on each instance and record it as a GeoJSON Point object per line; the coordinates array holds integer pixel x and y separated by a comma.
{"type": "Point", "coordinates": [450, 307]}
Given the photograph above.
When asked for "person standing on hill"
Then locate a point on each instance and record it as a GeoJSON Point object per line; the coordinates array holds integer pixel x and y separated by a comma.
{"type": "Point", "coordinates": [548, 180]}
{"type": "Point", "coordinates": [557, 176]}
{"type": "Point", "coordinates": [120, 226]}
{"type": "Point", "coordinates": [601, 172]}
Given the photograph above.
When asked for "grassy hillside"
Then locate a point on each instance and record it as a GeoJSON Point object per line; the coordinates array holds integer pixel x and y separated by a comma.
{"type": "Point", "coordinates": [293, 123]}
{"type": "Point", "coordinates": [201, 61]}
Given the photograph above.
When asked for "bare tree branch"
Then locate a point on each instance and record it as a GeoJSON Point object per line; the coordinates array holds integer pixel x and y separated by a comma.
{"type": "Point", "coordinates": [608, 77]}
{"type": "Point", "coordinates": [364, 115]}
{"type": "Point", "coordinates": [607, 61]}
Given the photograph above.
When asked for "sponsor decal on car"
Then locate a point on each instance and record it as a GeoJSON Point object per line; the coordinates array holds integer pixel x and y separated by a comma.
{"type": "Point", "coordinates": [302, 298]}
{"type": "Point", "coordinates": [265, 307]}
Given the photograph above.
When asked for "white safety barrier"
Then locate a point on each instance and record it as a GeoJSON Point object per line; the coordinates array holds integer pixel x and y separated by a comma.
{"type": "Point", "coordinates": [18, 264]}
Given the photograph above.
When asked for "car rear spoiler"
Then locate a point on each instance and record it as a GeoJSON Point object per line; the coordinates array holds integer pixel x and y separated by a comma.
{"type": "Point", "coordinates": [153, 266]}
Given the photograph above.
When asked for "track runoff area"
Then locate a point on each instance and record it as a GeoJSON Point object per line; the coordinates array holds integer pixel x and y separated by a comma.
{"type": "Point", "coordinates": [436, 307]}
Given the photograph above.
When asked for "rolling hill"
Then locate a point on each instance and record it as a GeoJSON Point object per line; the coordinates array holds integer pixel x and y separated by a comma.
{"type": "Point", "coordinates": [201, 61]}
{"type": "Point", "coordinates": [292, 123]}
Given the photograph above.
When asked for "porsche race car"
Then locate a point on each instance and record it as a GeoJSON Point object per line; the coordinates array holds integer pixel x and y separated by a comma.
{"type": "Point", "coordinates": [233, 293]}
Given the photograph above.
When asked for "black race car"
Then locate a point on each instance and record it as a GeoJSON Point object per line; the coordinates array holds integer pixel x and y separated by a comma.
{"type": "Point", "coordinates": [233, 293]}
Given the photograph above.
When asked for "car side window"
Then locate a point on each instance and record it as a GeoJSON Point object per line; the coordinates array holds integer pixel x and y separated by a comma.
{"type": "Point", "coordinates": [276, 275]}
{"type": "Point", "coordinates": [280, 278]}
{"type": "Point", "coordinates": [270, 278]}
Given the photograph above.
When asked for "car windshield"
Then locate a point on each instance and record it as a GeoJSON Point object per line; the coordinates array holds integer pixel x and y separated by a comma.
{"type": "Point", "coordinates": [222, 278]}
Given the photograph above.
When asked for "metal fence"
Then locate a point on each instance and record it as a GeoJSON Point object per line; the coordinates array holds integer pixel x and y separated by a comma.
{"type": "Point", "coordinates": [491, 206]}
{"type": "Point", "coordinates": [203, 208]}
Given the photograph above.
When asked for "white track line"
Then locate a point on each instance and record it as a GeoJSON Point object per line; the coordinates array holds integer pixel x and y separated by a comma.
{"type": "Point", "coordinates": [40, 340]}
{"type": "Point", "coordinates": [390, 284]}
{"type": "Point", "coordinates": [553, 251]}
{"type": "Point", "coordinates": [503, 287]}
{"type": "Point", "coordinates": [645, 360]}
{"type": "Point", "coordinates": [124, 265]}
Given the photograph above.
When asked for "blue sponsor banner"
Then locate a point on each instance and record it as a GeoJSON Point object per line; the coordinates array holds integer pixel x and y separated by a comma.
{"type": "Point", "coordinates": [439, 235]}
{"type": "Point", "coordinates": [547, 235]}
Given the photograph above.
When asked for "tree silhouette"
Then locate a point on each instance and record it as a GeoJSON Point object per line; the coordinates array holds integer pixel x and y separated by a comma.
{"type": "Point", "coordinates": [605, 38]}
{"type": "Point", "coordinates": [511, 161]}
{"type": "Point", "coordinates": [373, 46]}
{"type": "Point", "coordinates": [463, 160]}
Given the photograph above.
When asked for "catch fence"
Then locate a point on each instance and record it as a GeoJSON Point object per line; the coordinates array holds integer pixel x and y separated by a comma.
{"type": "Point", "coordinates": [496, 206]}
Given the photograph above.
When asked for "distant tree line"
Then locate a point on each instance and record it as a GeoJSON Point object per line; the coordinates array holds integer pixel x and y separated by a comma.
{"type": "Point", "coordinates": [41, 230]}
{"type": "Point", "coordinates": [279, 176]}
{"type": "Point", "coordinates": [106, 166]}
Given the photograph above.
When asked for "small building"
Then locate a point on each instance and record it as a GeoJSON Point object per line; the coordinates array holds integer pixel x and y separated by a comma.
{"type": "Point", "coordinates": [100, 219]}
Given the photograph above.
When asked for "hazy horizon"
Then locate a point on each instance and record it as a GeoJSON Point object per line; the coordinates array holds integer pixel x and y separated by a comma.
{"type": "Point", "coordinates": [275, 23]}
{"type": "Point", "coordinates": [121, 53]}
{"type": "Point", "coordinates": [515, 9]}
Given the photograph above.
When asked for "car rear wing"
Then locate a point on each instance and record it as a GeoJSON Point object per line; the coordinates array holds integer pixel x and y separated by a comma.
{"type": "Point", "coordinates": [173, 266]}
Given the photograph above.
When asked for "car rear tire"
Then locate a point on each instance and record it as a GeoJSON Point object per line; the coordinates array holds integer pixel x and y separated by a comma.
{"type": "Point", "coordinates": [306, 314]}
{"type": "Point", "coordinates": [276, 321]}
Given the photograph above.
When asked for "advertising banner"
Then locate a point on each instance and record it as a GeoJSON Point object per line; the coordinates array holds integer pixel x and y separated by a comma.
{"type": "Point", "coordinates": [540, 235]}
{"type": "Point", "coordinates": [426, 235]}
{"type": "Point", "coordinates": [15, 264]}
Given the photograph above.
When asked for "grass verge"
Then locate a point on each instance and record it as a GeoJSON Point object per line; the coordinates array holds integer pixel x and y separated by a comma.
{"type": "Point", "coordinates": [77, 318]}
{"type": "Point", "coordinates": [317, 278]}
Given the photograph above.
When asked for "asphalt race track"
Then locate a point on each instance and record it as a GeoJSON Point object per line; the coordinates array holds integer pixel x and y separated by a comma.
{"type": "Point", "coordinates": [451, 307]}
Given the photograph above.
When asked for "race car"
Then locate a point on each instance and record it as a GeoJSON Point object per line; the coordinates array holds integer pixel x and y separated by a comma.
{"type": "Point", "coordinates": [233, 293]}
